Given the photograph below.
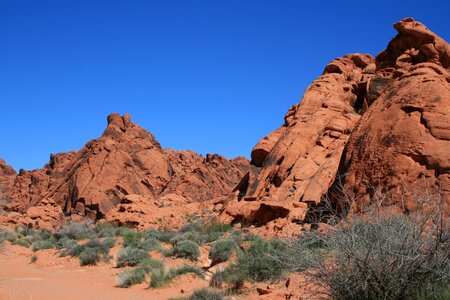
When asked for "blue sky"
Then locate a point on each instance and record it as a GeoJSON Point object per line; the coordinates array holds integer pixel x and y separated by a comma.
{"type": "Point", "coordinates": [210, 76]}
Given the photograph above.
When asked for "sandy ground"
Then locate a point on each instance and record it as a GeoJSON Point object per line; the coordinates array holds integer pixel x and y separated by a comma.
{"type": "Point", "coordinates": [54, 277]}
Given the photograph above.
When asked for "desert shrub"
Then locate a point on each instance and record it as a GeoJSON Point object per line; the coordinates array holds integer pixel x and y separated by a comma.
{"type": "Point", "coordinates": [160, 278]}
{"type": "Point", "coordinates": [78, 231]}
{"type": "Point", "coordinates": [122, 230]}
{"type": "Point", "coordinates": [205, 294]}
{"type": "Point", "coordinates": [149, 244]}
{"type": "Point", "coordinates": [127, 278]}
{"type": "Point", "coordinates": [185, 269]}
{"type": "Point", "coordinates": [130, 256]}
{"type": "Point", "coordinates": [42, 244]}
{"type": "Point", "coordinates": [137, 275]}
{"type": "Point", "coordinates": [105, 229]}
{"type": "Point", "coordinates": [109, 242]}
{"type": "Point", "coordinates": [262, 260]}
{"type": "Point", "coordinates": [221, 250]}
{"type": "Point", "coordinates": [33, 259]}
{"type": "Point", "coordinates": [132, 239]}
{"type": "Point", "coordinates": [6, 234]}
{"type": "Point", "coordinates": [187, 249]}
{"type": "Point", "coordinates": [165, 235]}
{"type": "Point", "coordinates": [204, 230]}
{"type": "Point", "coordinates": [385, 257]}
{"type": "Point", "coordinates": [90, 253]}
{"type": "Point", "coordinates": [24, 241]}
{"type": "Point", "coordinates": [89, 256]}
{"type": "Point", "coordinates": [230, 276]}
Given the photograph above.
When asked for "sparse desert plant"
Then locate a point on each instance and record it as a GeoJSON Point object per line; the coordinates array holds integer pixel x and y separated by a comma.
{"type": "Point", "coordinates": [160, 278]}
{"type": "Point", "coordinates": [89, 256]}
{"type": "Point", "coordinates": [231, 278]}
{"type": "Point", "coordinates": [205, 294]}
{"type": "Point", "coordinates": [379, 257]}
{"type": "Point", "coordinates": [187, 249]}
{"type": "Point", "coordinates": [149, 244]}
{"type": "Point", "coordinates": [204, 230]}
{"type": "Point", "coordinates": [127, 278]}
{"type": "Point", "coordinates": [130, 256]}
{"type": "Point", "coordinates": [78, 231]}
{"type": "Point", "coordinates": [90, 253]}
{"type": "Point", "coordinates": [109, 242]}
{"type": "Point", "coordinates": [132, 239]}
{"type": "Point", "coordinates": [221, 250]}
{"type": "Point", "coordinates": [137, 275]}
{"type": "Point", "coordinates": [105, 229]}
{"type": "Point", "coordinates": [33, 259]}
{"type": "Point", "coordinates": [262, 260]}
{"type": "Point", "coordinates": [42, 244]}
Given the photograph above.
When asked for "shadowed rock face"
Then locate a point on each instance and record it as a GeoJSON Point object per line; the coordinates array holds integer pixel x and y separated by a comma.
{"type": "Point", "coordinates": [125, 160]}
{"type": "Point", "coordinates": [390, 114]}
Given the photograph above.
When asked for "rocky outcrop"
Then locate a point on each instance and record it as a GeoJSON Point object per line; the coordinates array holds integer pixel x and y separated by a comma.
{"type": "Point", "coordinates": [126, 160]}
{"type": "Point", "coordinates": [390, 114]}
{"type": "Point", "coordinates": [295, 165]}
{"type": "Point", "coordinates": [399, 154]}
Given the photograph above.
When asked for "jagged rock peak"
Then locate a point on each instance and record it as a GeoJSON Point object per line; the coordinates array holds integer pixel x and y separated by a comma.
{"type": "Point", "coordinates": [414, 44]}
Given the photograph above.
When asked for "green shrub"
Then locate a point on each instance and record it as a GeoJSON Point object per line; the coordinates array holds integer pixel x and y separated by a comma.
{"type": "Point", "coordinates": [105, 230]}
{"type": "Point", "coordinates": [127, 278]}
{"type": "Point", "coordinates": [109, 242]}
{"type": "Point", "coordinates": [187, 249]}
{"type": "Point", "coordinates": [130, 256]}
{"type": "Point", "coordinates": [6, 235]}
{"type": "Point", "coordinates": [386, 257]}
{"type": "Point", "coordinates": [221, 250]}
{"type": "Point", "coordinates": [137, 275]}
{"type": "Point", "coordinates": [205, 294]}
{"type": "Point", "coordinates": [232, 276]}
{"type": "Point", "coordinates": [33, 259]}
{"type": "Point", "coordinates": [78, 231]}
{"type": "Point", "coordinates": [204, 230]}
{"type": "Point", "coordinates": [42, 244]}
{"type": "Point", "coordinates": [23, 241]}
{"type": "Point", "coordinates": [263, 260]}
{"type": "Point", "coordinates": [149, 244]}
{"type": "Point", "coordinates": [90, 253]}
{"type": "Point", "coordinates": [89, 256]}
{"type": "Point", "coordinates": [159, 278]}
{"type": "Point", "coordinates": [132, 239]}
{"type": "Point", "coordinates": [185, 269]}
{"type": "Point", "coordinates": [165, 235]}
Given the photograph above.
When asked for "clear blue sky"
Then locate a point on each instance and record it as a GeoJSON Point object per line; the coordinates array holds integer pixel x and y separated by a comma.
{"type": "Point", "coordinates": [211, 76]}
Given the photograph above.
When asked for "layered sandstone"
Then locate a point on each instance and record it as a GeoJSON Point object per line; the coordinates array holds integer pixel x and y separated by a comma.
{"type": "Point", "coordinates": [126, 160]}
{"type": "Point", "coordinates": [381, 126]}
{"type": "Point", "coordinates": [399, 154]}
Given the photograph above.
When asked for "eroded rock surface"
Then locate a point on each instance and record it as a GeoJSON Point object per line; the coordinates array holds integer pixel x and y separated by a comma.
{"type": "Point", "coordinates": [296, 164]}
{"type": "Point", "coordinates": [399, 154]}
{"type": "Point", "coordinates": [395, 108]}
{"type": "Point", "coordinates": [126, 160]}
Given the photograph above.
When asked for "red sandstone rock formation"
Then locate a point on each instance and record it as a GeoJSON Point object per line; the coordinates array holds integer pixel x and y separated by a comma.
{"type": "Point", "coordinates": [296, 164]}
{"type": "Point", "coordinates": [399, 154]}
{"type": "Point", "coordinates": [126, 160]}
{"type": "Point", "coordinates": [396, 109]}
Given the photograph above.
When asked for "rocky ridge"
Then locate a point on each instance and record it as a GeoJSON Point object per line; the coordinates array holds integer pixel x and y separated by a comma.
{"type": "Point", "coordinates": [125, 165]}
